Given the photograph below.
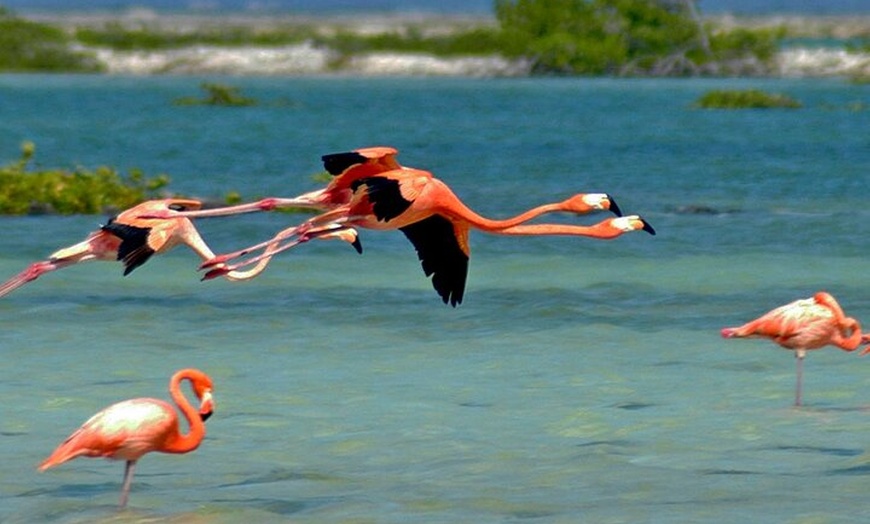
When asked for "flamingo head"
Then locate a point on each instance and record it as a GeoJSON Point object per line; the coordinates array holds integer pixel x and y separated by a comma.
{"type": "Point", "coordinates": [206, 406]}
{"type": "Point", "coordinates": [202, 388]}
{"type": "Point", "coordinates": [586, 202]}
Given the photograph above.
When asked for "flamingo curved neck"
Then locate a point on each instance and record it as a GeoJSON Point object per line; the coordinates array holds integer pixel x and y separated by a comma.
{"type": "Point", "coordinates": [851, 342]}
{"type": "Point", "coordinates": [183, 443]}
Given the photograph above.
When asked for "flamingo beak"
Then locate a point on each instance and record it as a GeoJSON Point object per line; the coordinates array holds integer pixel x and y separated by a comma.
{"type": "Point", "coordinates": [613, 207]}
{"type": "Point", "coordinates": [206, 407]}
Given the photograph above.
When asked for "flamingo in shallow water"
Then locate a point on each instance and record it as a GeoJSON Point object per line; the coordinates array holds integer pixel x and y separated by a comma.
{"type": "Point", "coordinates": [130, 429]}
{"type": "Point", "coordinates": [804, 325]}
{"type": "Point", "coordinates": [133, 239]}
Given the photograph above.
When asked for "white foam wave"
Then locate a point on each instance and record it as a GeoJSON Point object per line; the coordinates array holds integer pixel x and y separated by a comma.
{"type": "Point", "coordinates": [288, 60]}
{"type": "Point", "coordinates": [822, 62]}
{"type": "Point", "coordinates": [301, 59]}
{"type": "Point", "coordinates": [306, 59]}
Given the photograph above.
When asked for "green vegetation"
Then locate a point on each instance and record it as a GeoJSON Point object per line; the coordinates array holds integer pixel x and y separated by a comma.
{"type": "Point", "coordinates": [29, 46]}
{"type": "Point", "coordinates": [71, 192]}
{"type": "Point", "coordinates": [588, 37]}
{"type": "Point", "coordinates": [745, 99]}
{"type": "Point", "coordinates": [218, 95]}
{"type": "Point", "coordinates": [656, 37]}
{"type": "Point", "coordinates": [117, 36]}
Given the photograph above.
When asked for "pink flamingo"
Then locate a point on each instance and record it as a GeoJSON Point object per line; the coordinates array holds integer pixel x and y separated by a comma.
{"type": "Point", "coordinates": [372, 191]}
{"type": "Point", "coordinates": [133, 239]}
{"type": "Point", "coordinates": [804, 325]}
{"type": "Point", "coordinates": [436, 222]}
{"type": "Point", "coordinates": [128, 430]}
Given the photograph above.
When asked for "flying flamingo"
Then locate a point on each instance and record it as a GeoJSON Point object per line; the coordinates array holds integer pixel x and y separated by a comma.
{"type": "Point", "coordinates": [436, 222]}
{"type": "Point", "coordinates": [372, 190]}
{"type": "Point", "coordinates": [131, 428]}
{"type": "Point", "coordinates": [346, 168]}
{"type": "Point", "coordinates": [132, 239]}
{"type": "Point", "coordinates": [803, 325]}
{"type": "Point", "coordinates": [374, 176]}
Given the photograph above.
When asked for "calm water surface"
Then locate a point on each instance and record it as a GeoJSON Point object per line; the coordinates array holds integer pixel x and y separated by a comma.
{"type": "Point", "coordinates": [581, 381]}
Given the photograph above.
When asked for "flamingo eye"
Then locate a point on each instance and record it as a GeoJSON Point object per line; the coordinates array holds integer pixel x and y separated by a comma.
{"type": "Point", "coordinates": [177, 207]}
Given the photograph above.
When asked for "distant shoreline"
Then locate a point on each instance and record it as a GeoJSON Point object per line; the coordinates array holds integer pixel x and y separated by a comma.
{"type": "Point", "coordinates": [799, 60]}
{"type": "Point", "coordinates": [798, 25]}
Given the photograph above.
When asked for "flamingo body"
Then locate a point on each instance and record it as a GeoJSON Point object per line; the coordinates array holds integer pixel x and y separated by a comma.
{"type": "Point", "coordinates": [123, 431]}
{"type": "Point", "coordinates": [129, 429]}
{"type": "Point", "coordinates": [804, 325]}
{"type": "Point", "coordinates": [371, 190]}
{"type": "Point", "coordinates": [135, 235]}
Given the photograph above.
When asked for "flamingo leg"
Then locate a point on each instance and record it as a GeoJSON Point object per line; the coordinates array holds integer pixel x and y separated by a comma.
{"type": "Point", "coordinates": [128, 480]}
{"type": "Point", "coordinates": [799, 358]}
{"type": "Point", "coordinates": [273, 247]}
{"type": "Point", "coordinates": [266, 204]}
{"type": "Point", "coordinates": [30, 274]}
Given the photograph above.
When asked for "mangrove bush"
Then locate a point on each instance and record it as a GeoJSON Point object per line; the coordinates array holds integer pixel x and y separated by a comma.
{"type": "Point", "coordinates": [81, 191]}
{"type": "Point", "coordinates": [29, 46]}
{"type": "Point", "coordinates": [745, 99]}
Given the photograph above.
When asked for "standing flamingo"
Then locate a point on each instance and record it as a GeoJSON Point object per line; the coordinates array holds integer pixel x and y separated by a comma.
{"type": "Point", "coordinates": [132, 239]}
{"type": "Point", "coordinates": [804, 325]}
{"type": "Point", "coordinates": [436, 222]}
{"type": "Point", "coordinates": [129, 429]}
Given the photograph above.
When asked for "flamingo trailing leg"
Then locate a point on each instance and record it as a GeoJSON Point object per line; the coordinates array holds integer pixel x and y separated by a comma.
{"type": "Point", "coordinates": [132, 239]}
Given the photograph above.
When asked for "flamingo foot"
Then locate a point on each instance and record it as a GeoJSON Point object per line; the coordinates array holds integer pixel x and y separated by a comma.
{"type": "Point", "coordinates": [215, 273]}
{"type": "Point", "coordinates": [30, 274]}
{"type": "Point", "coordinates": [215, 260]}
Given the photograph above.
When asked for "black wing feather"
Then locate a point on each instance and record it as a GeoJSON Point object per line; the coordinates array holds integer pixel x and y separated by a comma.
{"type": "Point", "coordinates": [441, 256]}
{"type": "Point", "coordinates": [385, 195]}
{"type": "Point", "coordinates": [337, 163]}
{"type": "Point", "coordinates": [134, 250]}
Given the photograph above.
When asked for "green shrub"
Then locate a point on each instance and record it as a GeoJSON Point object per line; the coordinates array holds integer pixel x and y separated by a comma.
{"type": "Point", "coordinates": [218, 95]}
{"type": "Point", "coordinates": [30, 46]}
{"type": "Point", "coordinates": [116, 36]}
{"type": "Point", "coordinates": [80, 191]}
{"type": "Point", "coordinates": [745, 99]}
{"type": "Point", "coordinates": [622, 37]}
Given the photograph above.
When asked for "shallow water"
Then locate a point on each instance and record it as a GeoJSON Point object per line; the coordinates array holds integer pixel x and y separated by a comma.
{"type": "Point", "coordinates": [581, 381]}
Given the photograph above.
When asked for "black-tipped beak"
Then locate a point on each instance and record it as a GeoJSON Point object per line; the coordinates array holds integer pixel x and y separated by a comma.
{"type": "Point", "coordinates": [357, 245]}
{"type": "Point", "coordinates": [648, 228]}
{"type": "Point", "coordinates": [614, 208]}
{"type": "Point", "coordinates": [205, 416]}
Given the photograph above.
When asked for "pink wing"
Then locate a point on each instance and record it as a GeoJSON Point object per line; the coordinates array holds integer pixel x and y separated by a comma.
{"type": "Point", "coordinates": [800, 324]}
{"type": "Point", "coordinates": [123, 431]}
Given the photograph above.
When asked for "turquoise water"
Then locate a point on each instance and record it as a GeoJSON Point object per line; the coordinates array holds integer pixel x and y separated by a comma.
{"type": "Point", "coordinates": [581, 381]}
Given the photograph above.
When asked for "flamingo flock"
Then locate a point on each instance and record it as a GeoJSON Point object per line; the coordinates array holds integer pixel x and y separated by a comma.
{"type": "Point", "coordinates": [369, 190]}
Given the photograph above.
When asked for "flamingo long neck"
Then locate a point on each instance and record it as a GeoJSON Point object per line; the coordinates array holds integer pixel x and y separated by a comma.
{"type": "Point", "coordinates": [182, 443]}
{"type": "Point", "coordinates": [602, 230]}
{"type": "Point", "coordinates": [851, 342]}
{"type": "Point", "coordinates": [450, 205]}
